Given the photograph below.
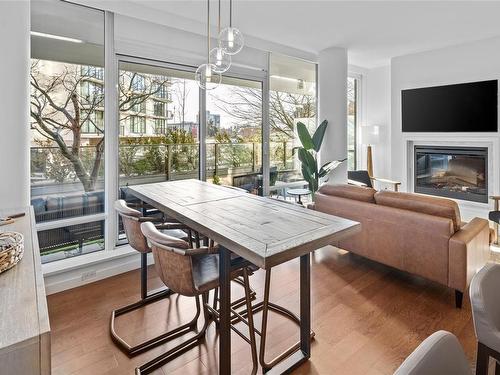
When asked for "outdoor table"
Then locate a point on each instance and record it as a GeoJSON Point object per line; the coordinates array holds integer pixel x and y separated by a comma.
{"type": "Point", "coordinates": [298, 193]}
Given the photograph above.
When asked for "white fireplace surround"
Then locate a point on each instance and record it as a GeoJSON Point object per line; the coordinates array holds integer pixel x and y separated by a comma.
{"type": "Point", "coordinates": [468, 209]}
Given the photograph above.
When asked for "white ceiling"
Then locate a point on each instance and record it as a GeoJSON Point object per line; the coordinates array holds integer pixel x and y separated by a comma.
{"type": "Point", "coordinates": [372, 31]}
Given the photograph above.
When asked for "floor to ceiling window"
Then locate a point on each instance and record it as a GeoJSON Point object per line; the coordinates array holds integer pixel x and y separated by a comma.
{"type": "Point", "coordinates": [67, 128]}
{"type": "Point", "coordinates": [292, 99]}
{"type": "Point", "coordinates": [156, 134]}
{"type": "Point", "coordinates": [159, 126]}
{"type": "Point", "coordinates": [353, 85]}
{"type": "Point", "coordinates": [234, 134]}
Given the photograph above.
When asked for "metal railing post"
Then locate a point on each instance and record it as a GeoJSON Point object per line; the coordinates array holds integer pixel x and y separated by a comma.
{"type": "Point", "coordinates": [253, 156]}
{"type": "Point", "coordinates": [216, 158]}
{"type": "Point", "coordinates": [168, 164]}
{"type": "Point", "coordinates": [284, 154]}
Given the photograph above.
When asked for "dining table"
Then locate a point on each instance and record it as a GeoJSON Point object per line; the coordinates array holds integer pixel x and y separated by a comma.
{"type": "Point", "coordinates": [260, 230]}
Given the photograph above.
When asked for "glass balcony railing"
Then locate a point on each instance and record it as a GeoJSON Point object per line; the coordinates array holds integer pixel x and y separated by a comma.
{"type": "Point", "coordinates": [57, 193]}
{"type": "Point", "coordinates": [53, 174]}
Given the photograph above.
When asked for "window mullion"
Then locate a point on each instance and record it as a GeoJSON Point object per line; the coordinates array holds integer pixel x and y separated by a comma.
{"type": "Point", "coordinates": [111, 140]}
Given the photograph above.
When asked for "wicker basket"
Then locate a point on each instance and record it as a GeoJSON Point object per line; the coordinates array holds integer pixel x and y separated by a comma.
{"type": "Point", "coordinates": [11, 249]}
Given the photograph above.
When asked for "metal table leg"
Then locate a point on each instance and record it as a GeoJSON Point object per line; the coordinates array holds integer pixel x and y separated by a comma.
{"type": "Point", "coordinates": [296, 359]}
{"type": "Point", "coordinates": [305, 305]}
{"type": "Point", "coordinates": [225, 311]}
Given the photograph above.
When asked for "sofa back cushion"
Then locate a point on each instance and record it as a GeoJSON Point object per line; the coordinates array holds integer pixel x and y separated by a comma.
{"type": "Point", "coordinates": [358, 193]}
{"type": "Point", "coordinates": [419, 203]}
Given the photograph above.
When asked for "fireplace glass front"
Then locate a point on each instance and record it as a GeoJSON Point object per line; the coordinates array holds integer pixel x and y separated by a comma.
{"type": "Point", "coordinates": [454, 172]}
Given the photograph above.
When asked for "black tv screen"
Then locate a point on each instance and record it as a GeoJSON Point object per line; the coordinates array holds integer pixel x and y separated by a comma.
{"type": "Point", "coordinates": [464, 107]}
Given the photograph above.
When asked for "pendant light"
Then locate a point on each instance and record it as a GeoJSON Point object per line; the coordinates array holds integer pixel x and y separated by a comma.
{"type": "Point", "coordinates": [219, 58]}
{"type": "Point", "coordinates": [206, 76]}
{"type": "Point", "coordinates": [231, 39]}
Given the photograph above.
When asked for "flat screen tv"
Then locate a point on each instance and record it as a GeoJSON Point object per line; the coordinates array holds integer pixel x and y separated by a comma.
{"type": "Point", "coordinates": [464, 107]}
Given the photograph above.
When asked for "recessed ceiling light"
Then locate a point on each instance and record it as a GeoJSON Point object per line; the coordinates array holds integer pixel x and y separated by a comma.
{"type": "Point", "coordinates": [58, 37]}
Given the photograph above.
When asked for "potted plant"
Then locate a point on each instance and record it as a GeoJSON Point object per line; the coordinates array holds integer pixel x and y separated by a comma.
{"type": "Point", "coordinates": [308, 155]}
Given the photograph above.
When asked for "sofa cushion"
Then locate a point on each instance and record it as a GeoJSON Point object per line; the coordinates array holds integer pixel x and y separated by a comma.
{"type": "Point", "coordinates": [358, 193]}
{"type": "Point", "coordinates": [420, 203]}
{"type": "Point", "coordinates": [38, 205]}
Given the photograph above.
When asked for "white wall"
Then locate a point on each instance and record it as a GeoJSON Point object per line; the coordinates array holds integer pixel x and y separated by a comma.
{"type": "Point", "coordinates": [332, 82]}
{"type": "Point", "coordinates": [14, 96]}
{"type": "Point", "coordinates": [377, 103]}
{"type": "Point", "coordinates": [457, 64]}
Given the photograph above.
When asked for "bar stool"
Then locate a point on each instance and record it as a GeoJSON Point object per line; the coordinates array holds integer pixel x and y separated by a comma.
{"type": "Point", "coordinates": [194, 272]}
{"type": "Point", "coordinates": [132, 220]}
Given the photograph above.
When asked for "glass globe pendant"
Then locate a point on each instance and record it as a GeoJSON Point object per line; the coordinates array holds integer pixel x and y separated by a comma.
{"type": "Point", "coordinates": [206, 77]}
{"type": "Point", "coordinates": [220, 59]}
{"type": "Point", "coordinates": [231, 40]}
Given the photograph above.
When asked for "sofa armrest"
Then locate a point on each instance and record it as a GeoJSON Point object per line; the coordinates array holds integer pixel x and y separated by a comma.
{"type": "Point", "coordinates": [469, 250]}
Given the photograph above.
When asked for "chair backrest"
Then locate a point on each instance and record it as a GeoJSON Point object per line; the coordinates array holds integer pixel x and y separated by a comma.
{"type": "Point", "coordinates": [132, 226]}
{"type": "Point", "coordinates": [486, 305]}
{"type": "Point", "coordinates": [172, 260]}
{"type": "Point", "coordinates": [438, 354]}
{"type": "Point", "coordinates": [360, 176]}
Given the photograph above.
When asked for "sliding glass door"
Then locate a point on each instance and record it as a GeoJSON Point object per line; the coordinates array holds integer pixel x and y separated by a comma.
{"type": "Point", "coordinates": [234, 134]}
{"type": "Point", "coordinates": [159, 124]}
{"type": "Point", "coordinates": [292, 99]}
{"type": "Point", "coordinates": [159, 131]}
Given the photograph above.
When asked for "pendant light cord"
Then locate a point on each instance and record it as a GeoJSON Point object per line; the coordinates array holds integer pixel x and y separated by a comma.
{"type": "Point", "coordinates": [208, 31]}
{"type": "Point", "coordinates": [230, 13]}
{"type": "Point", "coordinates": [218, 20]}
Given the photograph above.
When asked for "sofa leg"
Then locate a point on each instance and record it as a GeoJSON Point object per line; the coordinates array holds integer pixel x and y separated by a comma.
{"type": "Point", "coordinates": [459, 296]}
{"type": "Point", "coordinates": [482, 359]}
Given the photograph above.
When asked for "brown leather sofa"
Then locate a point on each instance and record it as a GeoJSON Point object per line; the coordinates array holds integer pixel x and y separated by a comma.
{"type": "Point", "coordinates": [419, 234]}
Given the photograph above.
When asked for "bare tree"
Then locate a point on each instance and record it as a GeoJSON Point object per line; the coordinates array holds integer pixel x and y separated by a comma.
{"type": "Point", "coordinates": [63, 102]}
{"type": "Point", "coordinates": [181, 92]}
{"type": "Point", "coordinates": [245, 105]}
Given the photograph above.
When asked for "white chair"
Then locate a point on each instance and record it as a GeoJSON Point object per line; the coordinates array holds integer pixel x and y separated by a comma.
{"type": "Point", "coordinates": [438, 354]}
{"type": "Point", "coordinates": [485, 300]}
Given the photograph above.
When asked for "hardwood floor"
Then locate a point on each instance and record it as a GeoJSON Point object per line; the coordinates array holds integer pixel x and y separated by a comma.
{"type": "Point", "coordinates": [367, 319]}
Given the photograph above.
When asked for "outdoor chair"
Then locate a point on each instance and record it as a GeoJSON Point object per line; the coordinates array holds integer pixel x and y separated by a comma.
{"type": "Point", "coordinates": [363, 178]}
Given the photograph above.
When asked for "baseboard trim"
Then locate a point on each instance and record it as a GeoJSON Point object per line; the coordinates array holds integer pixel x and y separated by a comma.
{"type": "Point", "coordinates": [84, 274]}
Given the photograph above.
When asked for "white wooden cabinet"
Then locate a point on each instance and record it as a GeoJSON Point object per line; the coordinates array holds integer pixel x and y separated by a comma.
{"type": "Point", "coordinates": [24, 319]}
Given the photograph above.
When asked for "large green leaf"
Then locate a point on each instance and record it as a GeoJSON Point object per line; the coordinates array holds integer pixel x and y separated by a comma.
{"type": "Point", "coordinates": [328, 167]}
{"type": "Point", "coordinates": [319, 134]}
{"type": "Point", "coordinates": [304, 136]}
{"type": "Point", "coordinates": [306, 174]}
{"type": "Point", "coordinates": [308, 160]}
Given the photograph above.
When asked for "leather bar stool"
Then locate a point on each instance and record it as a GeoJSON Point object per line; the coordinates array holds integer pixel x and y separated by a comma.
{"type": "Point", "coordinates": [194, 272]}
{"type": "Point", "coordinates": [132, 220]}
{"type": "Point", "coordinates": [485, 301]}
{"type": "Point", "coordinates": [438, 354]}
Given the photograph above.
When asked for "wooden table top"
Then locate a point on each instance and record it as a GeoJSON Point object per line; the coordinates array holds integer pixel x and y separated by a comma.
{"type": "Point", "coordinates": [265, 231]}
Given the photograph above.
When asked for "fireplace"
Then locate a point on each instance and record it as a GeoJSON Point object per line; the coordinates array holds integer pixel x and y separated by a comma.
{"type": "Point", "coordinates": [453, 172]}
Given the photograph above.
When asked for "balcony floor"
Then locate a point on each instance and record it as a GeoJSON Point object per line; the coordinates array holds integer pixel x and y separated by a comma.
{"type": "Point", "coordinates": [367, 319]}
